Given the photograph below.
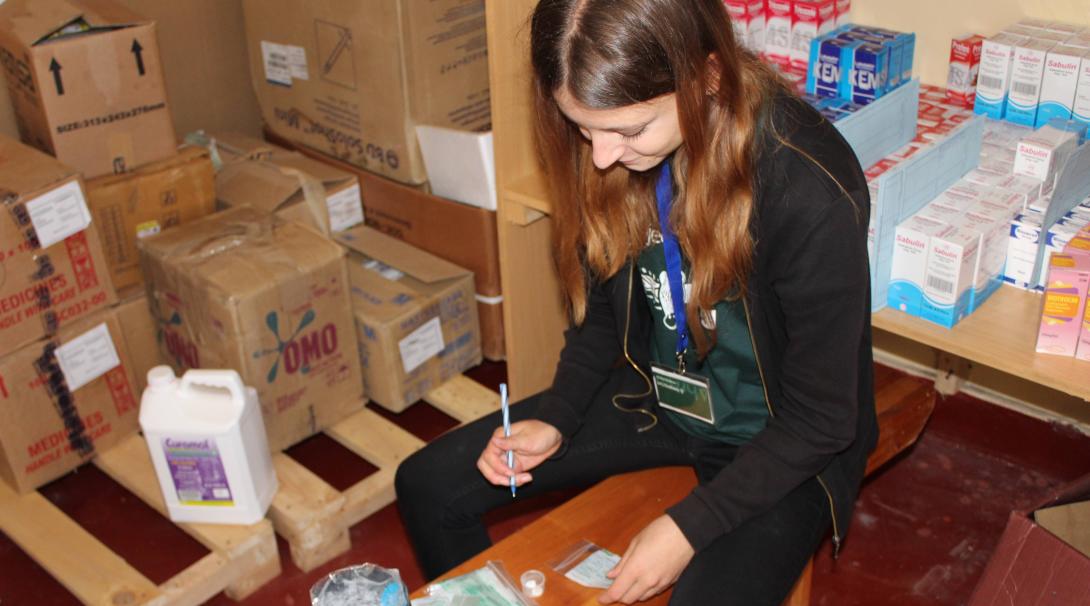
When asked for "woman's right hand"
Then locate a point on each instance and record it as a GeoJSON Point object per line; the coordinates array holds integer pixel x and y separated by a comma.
{"type": "Point", "coordinates": [532, 441]}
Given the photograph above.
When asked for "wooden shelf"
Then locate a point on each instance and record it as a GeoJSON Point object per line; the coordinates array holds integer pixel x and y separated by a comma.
{"type": "Point", "coordinates": [1002, 334]}
{"type": "Point", "coordinates": [530, 192]}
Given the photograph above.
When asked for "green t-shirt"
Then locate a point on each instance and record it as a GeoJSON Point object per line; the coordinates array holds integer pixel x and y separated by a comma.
{"type": "Point", "coordinates": [738, 398]}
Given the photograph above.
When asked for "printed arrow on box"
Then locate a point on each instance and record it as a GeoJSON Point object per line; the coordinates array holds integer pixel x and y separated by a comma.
{"type": "Point", "coordinates": [138, 52]}
{"type": "Point", "coordinates": [56, 69]}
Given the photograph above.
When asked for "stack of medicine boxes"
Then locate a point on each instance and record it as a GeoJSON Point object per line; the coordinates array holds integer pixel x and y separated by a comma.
{"type": "Point", "coordinates": [854, 65]}
{"type": "Point", "coordinates": [1034, 71]}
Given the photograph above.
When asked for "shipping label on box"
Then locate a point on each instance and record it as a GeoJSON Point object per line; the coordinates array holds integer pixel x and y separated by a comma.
{"type": "Point", "coordinates": [353, 83]}
{"type": "Point", "coordinates": [52, 270]}
{"type": "Point", "coordinates": [63, 399]}
{"type": "Point", "coordinates": [291, 185]}
{"type": "Point", "coordinates": [243, 290]}
{"type": "Point", "coordinates": [416, 318]}
{"type": "Point", "coordinates": [86, 83]}
{"type": "Point", "coordinates": [142, 203]}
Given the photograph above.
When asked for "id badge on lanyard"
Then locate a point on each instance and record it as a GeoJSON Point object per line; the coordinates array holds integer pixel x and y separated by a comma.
{"type": "Point", "coordinates": [677, 390]}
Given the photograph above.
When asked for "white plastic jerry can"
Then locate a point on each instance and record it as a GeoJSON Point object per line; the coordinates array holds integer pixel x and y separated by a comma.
{"type": "Point", "coordinates": [208, 445]}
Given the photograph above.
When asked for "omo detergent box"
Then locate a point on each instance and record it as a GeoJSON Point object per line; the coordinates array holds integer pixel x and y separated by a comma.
{"type": "Point", "coordinates": [245, 290]}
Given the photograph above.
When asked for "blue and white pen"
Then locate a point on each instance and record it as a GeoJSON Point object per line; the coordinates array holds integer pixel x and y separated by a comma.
{"type": "Point", "coordinates": [507, 432]}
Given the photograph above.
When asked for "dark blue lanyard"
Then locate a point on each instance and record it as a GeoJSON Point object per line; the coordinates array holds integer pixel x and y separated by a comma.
{"type": "Point", "coordinates": [664, 193]}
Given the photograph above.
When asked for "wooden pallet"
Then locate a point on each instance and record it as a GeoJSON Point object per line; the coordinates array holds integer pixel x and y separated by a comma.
{"type": "Point", "coordinates": [241, 558]}
{"type": "Point", "coordinates": [314, 518]}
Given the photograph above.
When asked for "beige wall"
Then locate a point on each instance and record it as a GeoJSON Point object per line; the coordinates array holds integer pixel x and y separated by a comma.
{"type": "Point", "coordinates": [203, 47]}
{"type": "Point", "coordinates": [937, 21]}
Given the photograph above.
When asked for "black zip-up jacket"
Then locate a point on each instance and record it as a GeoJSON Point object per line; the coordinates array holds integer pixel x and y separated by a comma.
{"type": "Point", "coordinates": [808, 305]}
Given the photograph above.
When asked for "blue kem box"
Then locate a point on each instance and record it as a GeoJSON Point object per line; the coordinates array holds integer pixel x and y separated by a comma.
{"type": "Point", "coordinates": [831, 63]}
{"type": "Point", "coordinates": [870, 72]}
{"type": "Point", "coordinates": [896, 44]}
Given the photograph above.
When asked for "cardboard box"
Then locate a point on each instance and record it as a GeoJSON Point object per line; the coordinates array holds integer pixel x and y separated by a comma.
{"type": "Point", "coordinates": [460, 164]}
{"type": "Point", "coordinates": [52, 270]}
{"type": "Point", "coordinates": [86, 83]}
{"type": "Point", "coordinates": [1043, 556]}
{"type": "Point", "coordinates": [353, 80]}
{"type": "Point", "coordinates": [142, 203]}
{"type": "Point", "coordinates": [141, 336]}
{"type": "Point", "coordinates": [63, 399]}
{"type": "Point", "coordinates": [243, 290]}
{"type": "Point", "coordinates": [272, 179]}
{"type": "Point", "coordinates": [415, 317]}
{"type": "Point", "coordinates": [427, 222]}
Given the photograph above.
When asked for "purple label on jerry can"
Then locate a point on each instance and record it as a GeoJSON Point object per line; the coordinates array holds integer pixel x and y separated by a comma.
{"type": "Point", "coordinates": [197, 470]}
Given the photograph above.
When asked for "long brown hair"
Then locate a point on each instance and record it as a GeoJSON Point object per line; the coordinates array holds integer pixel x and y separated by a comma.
{"type": "Point", "coordinates": [614, 53]}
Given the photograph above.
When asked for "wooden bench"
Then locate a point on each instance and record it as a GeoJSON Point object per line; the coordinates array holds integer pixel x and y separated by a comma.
{"type": "Point", "coordinates": [613, 511]}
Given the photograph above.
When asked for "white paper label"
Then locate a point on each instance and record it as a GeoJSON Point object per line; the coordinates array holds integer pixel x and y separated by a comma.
{"type": "Point", "coordinates": [87, 357]}
{"type": "Point", "coordinates": [345, 209]}
{"type": "Point", "coordinates": [421, 345]}
{"type": "Point", "coordinates": [282, 62]}
{"type": "Point", "coordinates": [591, 572]}
{"type": "Point", "coordinates": [59, 214]}
{"type": "Point", "coordinates": [384, 270]}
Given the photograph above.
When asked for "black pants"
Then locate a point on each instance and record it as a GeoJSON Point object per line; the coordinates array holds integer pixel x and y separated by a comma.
{"type": "Point", "coordinates": [442, 497]}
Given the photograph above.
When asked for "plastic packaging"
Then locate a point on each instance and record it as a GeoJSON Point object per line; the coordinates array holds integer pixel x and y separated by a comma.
{"type": "Point", "coordinates": [533, 583]}
{"type": "Point", "coordinates": [363, 585]}
{"type": "Point", "coordinates": [207, 443]}
{"type": "Point", "coordinates": [487, 586]}
{"type": "Point", "coordinates": [586, 564]}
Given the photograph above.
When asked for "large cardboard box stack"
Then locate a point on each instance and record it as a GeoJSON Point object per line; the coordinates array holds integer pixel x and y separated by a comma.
{"type": "Point", "coordinates": [86, 83]}
{"type": "Point", "coordinates": [244, 290]}
{"type": "Point", "coordinates": [415, 317]}
{"type": "Point", "coordinates": [1043, 556]}
{"type": "Point", "coordinates": [289, 184]}
{"type": "Point", "coordinates": [63, 399]}
{"type": "Point", "coordinates": [52, 270]}
{"type": "Point", "coordinates": [155, 197]}
{"type": "Point", "coordinates": [352, 79]}
{"type": "Point", "coordinates": [459, 233]}
{"type": "Point", "coordinates": [141, 336]}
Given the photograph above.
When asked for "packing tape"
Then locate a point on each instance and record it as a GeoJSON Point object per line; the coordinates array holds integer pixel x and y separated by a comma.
{"type": "Point", "coordinates": [50, 371]}
{"type": "Point", "coordinates": [45, 268]}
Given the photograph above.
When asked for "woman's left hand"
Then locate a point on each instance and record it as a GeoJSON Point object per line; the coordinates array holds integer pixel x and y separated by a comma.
{"type": "Point", "coordinates": [654, 561]}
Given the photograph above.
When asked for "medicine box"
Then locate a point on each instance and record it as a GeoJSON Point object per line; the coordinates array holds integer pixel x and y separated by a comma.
{"type": "Point", "coordinates": [748, 20]}
{"type": "Point", "coordinates": [1061, 76]}
{"type": "Point", "coordinates": [951, 270]}
{"type": "Point", "coordinates": [1080, 108]}
{"type": "Point", "coordinates": [1026, 75]}
{"type": "Point", "coordinates": [908, 271]}
{"type": "Point", "coordinates": [992, 224]}
{"type": "Point", "coordinates": [778, 26]}
{"type": "Point", "coordinates": [964, 66]}
{"type": "Point", "coordinates": [1064, 304]}
{"type": "Point", "coordinates": [810, 19]}
{"type": "Point", "coordinates": [993, 78]}
{"type": "Point", "coordinates": [1024, 241]}
{"type": "Point", "coordinates": [843, 13]}
{"type": "Point", "coordinates": [831, 66]}
{"type": "Point", "coordinates": [1041, 154]}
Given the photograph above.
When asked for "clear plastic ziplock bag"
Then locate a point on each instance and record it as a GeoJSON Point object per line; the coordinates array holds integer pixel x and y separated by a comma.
{"type": "Point", "coordinates": [586, 564]}
{"type": "Point", "coordinates": [363, 585]}
{"type": "Point", "coordinates": [488, 586]}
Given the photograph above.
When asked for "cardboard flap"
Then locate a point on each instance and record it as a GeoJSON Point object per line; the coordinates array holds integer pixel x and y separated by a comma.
{"type": "Point", "coordinates": [323, 172]}
{"type": "Point", "coordinates": [33, 21]}
{"type": "Point", "coordinates": [395, 253]}
{"type": "Point", "coordinates": [1075, 490]}
{"type": "Point", "coordinates": [258, 184]}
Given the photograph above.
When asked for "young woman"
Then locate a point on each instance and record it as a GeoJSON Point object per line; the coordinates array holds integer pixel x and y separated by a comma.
{"type": "Point", "coordinates": [710, 235]}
